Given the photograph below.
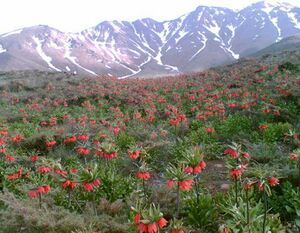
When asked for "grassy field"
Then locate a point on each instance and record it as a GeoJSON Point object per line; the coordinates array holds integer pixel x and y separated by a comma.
{"type": "Point", "coordinates": [216, 151]}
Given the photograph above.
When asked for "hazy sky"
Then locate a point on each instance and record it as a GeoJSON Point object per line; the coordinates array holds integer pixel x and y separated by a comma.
{"type": "Point", "coordinates": [75, 15]}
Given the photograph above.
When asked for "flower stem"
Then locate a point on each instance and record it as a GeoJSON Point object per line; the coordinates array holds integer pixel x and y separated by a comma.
{"type": "Point", "coordinates": [299, 175]}
{"type": "Point", "coordinates": [197, 189]}
{"type": "Point", "coordinates": [236, 191]}
{"type": "Point", "coordinates": [95, 204]}
{"type": "Point", "coordinates": [144, 190]}
{"type": "Point", "coordinates": [177, 201]}
{"type": "Point", "coordinates": [40, 200]}
{"type": "Point", "coordinates": [265, 211]}
{"type": "Point", "coordinates": [248, 214]}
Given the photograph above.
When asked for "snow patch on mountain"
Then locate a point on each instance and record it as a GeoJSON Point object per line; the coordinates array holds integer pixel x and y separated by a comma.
{"type": "Point", "coordinates": [201, 49]}
{"type": "Point", "coordinates": [294, 20]}
{"type": "Point", "coordinates": [2, 50]}
{"type": "Point", "coordinates": [214, 28]}
{"type": "Point", "coordinates": [134, 72]}
{"type": "Point", "coordinates": [12, 33]}
{"type": "Point", "coordinates": [181, 35]}
{"type": "Point", "coordinates": [275, 23]}
{"type": "Point", "coordinates": [68, 56]}
{"type": "Point", "coordinates": [229, 49]}
{"type": "Point", "coordinates": [42, 54]}
{"type": "Point", "coordinates": [268, 8]}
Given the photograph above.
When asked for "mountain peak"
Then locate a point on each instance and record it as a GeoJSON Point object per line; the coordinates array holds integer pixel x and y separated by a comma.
{"type": "Point", "coordinates": [273, 4]}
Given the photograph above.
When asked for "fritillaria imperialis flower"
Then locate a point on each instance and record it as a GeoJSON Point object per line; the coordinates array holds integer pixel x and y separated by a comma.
{"type": "Point", "coordinates": [44, 169]}
{"type": "Point", "coordinates": [83, 151]}
{"type": "Point", "coordinates": [177, 231]}
{"type": "Point", "coordinates": [236, 173]}
{"type": "Point", "coordinates": [273, 181]}
{"type": "Point", "coordinates": [231, 152]}
{"type": "Point", "coordinates": [185, 185]}
{"type": "Point", "coordinates": [293, 157]}
{"type": "Point", "coordinates": [83, 137]}
{"type": "Point", "coordinates": [264, 126]}
{"type": "Point", "coordinates": [162, 222]}
{"type": "Point", "coordinates": [134, 154]}
{"type": "Point", "coordinates": [70, 139]}
{"type": "Point", "coordinates": [143, 175]}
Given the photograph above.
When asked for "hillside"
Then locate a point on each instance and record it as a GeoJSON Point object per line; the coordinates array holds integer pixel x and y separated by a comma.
{"type": "Point", "coordinates": [288, 44]}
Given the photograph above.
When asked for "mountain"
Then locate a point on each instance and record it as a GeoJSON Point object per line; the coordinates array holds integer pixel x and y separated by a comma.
{"type": "Point", "coordinates": [206, 37]}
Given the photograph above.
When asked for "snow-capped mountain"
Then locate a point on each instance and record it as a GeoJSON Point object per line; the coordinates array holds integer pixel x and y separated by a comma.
{"type": "Point", "coordinates": [206, 37]}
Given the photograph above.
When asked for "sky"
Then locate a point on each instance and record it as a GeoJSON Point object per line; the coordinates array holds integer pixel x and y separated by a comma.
{"type": "Point", "coordinates": [76, 15]}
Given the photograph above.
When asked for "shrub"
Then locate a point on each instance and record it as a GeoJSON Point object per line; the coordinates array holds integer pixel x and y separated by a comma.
{"type": "Point", "coordinates": [203, 214]}
{"type": "Point", "coordinates": [233, 126]}
{"type": "Point", "coordinates": [275, 132]}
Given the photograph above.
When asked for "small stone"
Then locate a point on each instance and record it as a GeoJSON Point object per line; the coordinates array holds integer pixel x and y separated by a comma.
{"type": "Point", "coordinates": [225, 186]}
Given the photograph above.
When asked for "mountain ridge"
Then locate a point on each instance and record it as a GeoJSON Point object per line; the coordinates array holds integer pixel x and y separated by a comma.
{"type": "Point", "coordinates": [203, 38]}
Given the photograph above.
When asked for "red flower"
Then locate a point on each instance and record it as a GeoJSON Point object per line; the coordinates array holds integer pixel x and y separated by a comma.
{"type": "Point", "coordinates": [264, 126]}
{"type": "Point", "coordinates": [66, 183]}
{"type": "Point", "coordinates": [134, 154]}
{"type": "Point", "coordinates": [210, 130]}
{"type": "Point", "coordinates": [162, 222]}
{"type": "Point", "coordinates": [70, 139]}
{"type": "Point", "coordinates": [33, 193]}
{"type": "Point", "coordinates": [3, 150]}
{"type": "Point", "coordinates": [73, 170]}
{"type": "Point", "coordinates": [61, 172]}
{"type": "Point", "coordinates": [50, 144]}
{"type": "Point", "coordinates": [17, 138]}
{"type": "Point", "coordinates": [83, 137]}
{"type": "Point", "coordinates": [235, 173]}
{"type": "Point", "coordinates": [188, 170]}
{"type": "Point", "coordinates": [233, 153]}
{"type": "Point", "coordinates": [3, 133]}
{"type": "Point", "coordinates": [44, 189]}
{"type": "Point", "coordinates": [69, 183]}
{"type": "Point", "coordinates": [43, 169]}
{"type": "Point", "coordinates": [246, 155]}
{"type": "Point", "coordinates": [83, 151]}
{"type": "Point", "coordinates": [152, 228]}
{"type": "Point", "coordinates": [137, 218]}
{"type": "Point", "coordinates": [202, 164]}
{"type": "Point", "coordinates": [143, 175]}
{"type": "Point", "coordinates": [87, 186]}
{"type": "Point", "coordinates": [106, 155]}
{"type": "Point", "coordinates": [34, 158]}
{"type": "Point", "coordinates": [174, 121]}
{"type": "Point", "coordinates": [177, 231]}
{"type": "Point", "coordinates": [116, 130]}
{"type": "Point", "coordinates": [261, 186]}
{"type": "Point", "coordinates": [248, 185]}
{"type": "Point", "coordinates": [96, 183]}
{"type": "Point", "coordinates": [15, 175]}
{"type": "Point", "coordinates": [170, 183]}
{"type": "Point", "coordinates": [9, 158]}
{"type": "Point", "coordinates": [273, 181]}
{"type": "Point", "coordinates": [293, 157]}
{"type": "Point", "coordinates": [142, 228]}
{"type": "Point", "coordinates": [185, 185]}
{"type": "Point", "coordinates": [232, 105]}
{"type": "Point", "coordinates": [197, 169]}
